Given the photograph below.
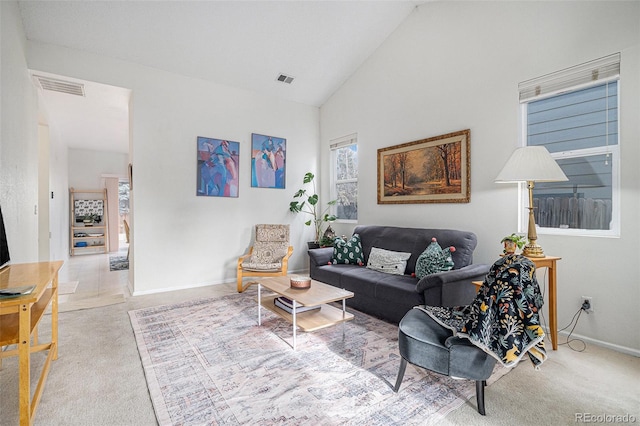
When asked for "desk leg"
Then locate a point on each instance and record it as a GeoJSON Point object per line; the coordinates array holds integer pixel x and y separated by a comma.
{"type": "Point", "coordinates": [553, 318]}
{"type": "Point", "coordinates": [24, 354]}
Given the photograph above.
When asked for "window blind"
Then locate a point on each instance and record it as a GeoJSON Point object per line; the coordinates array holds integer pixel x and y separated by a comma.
{"type": "Point", "coordinates": [343, 141]}
{"type": "Point", "coordinates": [590, 72]}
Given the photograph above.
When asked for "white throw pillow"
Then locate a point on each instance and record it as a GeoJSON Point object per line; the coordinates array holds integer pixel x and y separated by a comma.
{"type": "Point", "coordinates": [387, 261]}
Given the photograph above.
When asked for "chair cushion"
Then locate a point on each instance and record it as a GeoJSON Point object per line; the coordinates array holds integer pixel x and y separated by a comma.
{"type": "Point", "coordinates": [467, 361]}
{"type": "Point", "coordinates": [267, 232]}
{"type": "Point", "coordinates": [262, 267]}
{"type": "Point", "coordinates": [268, 252]}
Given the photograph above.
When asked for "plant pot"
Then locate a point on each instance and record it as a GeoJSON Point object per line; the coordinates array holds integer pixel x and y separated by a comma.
{"type": "Point", "coordinates": [510, 247]}
{"type": "Point", "coordinates": [313, 245]}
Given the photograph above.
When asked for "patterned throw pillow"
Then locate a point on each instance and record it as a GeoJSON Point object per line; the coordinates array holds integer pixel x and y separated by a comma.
{"type": "Point", "coordinates": [434, 259]}
{"type": "Point", "coordinates": [349, 252]}
{"type": "Point", "coordinates": [390, 262]}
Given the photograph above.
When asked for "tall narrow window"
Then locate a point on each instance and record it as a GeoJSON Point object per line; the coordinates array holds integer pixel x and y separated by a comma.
{"type": "Point", "coordinates": [344, 177]}
{"type": "Point", "coordinates": [574, 114]}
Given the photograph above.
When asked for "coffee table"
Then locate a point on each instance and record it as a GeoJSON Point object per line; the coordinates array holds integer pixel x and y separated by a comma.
{"type": "Point", "coordinates": [318, 294]}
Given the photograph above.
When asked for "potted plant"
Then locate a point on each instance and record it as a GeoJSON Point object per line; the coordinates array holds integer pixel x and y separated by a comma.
{"type": "Point", "coordinates": [513, 241]}
{"type": "Point", "coordinates": [308, 204]}
{"type": "Point", "coordinates": [90, 219]}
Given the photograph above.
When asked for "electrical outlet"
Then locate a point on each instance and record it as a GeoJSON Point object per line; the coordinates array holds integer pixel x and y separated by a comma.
{"type": "Point", "coordinates": [589, 301]}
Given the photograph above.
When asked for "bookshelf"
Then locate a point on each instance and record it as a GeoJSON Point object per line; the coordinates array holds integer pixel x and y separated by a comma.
{"type": "Point", "coordinates": [89, 231]}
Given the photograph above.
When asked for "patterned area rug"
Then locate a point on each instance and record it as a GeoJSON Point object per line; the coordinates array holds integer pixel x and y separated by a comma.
{"type": "Point", "coordinates": [208, 362]}
{"type": "Point", "coordinates": [118, 263]}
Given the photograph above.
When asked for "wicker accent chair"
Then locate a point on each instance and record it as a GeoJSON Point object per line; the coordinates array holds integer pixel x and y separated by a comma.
{"type": "Point", "coordinates": [268, 257]}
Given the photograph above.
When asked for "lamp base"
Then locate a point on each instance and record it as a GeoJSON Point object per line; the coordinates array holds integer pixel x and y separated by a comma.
{"type": "Point", "coordinates": [533, 250]}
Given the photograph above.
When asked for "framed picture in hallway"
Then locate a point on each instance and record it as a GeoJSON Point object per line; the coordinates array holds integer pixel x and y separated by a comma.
{"type": "Point", "coordinates": [217, 174]}
{"type": "Point", "coordinates": [268, 161]}
{"type": "Point", "coordinates": [433, 170]}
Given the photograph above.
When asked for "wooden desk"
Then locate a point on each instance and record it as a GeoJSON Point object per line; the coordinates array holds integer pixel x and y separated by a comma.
{"type": "Point", "coordinates": [550, 263]}
{"type": "Point", "coordinates": [19, 318]}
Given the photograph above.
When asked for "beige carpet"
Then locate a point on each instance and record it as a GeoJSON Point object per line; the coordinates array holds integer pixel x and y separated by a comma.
{"type": "Point", "coordinates": [207, 361]}
{"type": "Point", "coordinates": [89, 303]}
{"type": "Point", "coordinates": [98, 356]}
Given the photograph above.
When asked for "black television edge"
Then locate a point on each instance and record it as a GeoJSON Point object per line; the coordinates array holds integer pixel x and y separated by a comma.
{"type": "Point", "coordinates": [4, 245]}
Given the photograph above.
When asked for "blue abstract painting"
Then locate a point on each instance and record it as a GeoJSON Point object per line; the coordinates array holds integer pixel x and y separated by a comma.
{"type": "Point", "coordinates": [268, 161]}
{"type": "Point", "coordinates": [217, 167]}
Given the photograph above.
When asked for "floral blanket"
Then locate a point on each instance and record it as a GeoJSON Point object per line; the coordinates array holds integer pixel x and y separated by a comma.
{"type": "Point", "coordinates": [503, 318]}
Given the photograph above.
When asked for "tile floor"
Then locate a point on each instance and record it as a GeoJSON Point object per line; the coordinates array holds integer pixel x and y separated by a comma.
{"type": "Point", "coordinates": [98, 286]}
{"type": "Point", "coordinates": [95, 280]}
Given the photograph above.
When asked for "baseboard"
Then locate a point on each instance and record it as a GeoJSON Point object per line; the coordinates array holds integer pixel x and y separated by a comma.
{"type": "Point", "coordinates": [167, 289]}
{"type": "Point", "coordinates": [612, 346]}
{"type": "Point", "coordinates": [206, 284]}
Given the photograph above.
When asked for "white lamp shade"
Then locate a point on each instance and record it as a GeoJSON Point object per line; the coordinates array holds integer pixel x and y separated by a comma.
{"type": "Point", "coordinates": [531, 163]}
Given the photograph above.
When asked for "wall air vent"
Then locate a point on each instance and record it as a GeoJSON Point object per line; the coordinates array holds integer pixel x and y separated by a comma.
{"type": "Point", "coordinates": [285, 78]}
{"type": "Point", "coordinates": [62, 86]}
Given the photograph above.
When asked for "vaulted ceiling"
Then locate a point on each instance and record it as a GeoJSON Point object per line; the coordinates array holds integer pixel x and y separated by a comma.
{"type": "Point", "coordinates": [244, 44]}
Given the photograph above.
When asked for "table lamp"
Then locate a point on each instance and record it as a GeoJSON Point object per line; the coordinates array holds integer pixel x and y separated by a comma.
{"type": "Point", "coordinates": [531, 164]}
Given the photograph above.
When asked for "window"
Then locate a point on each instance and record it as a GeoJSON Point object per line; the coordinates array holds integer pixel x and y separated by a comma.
{"type": "Point", "coordinates": [344, 177]}
{"type": "Point", "coordinates": [574, 114]}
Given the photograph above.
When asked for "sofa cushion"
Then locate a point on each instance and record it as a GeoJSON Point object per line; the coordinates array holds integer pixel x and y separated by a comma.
{"type": "Point", "coordinates": [434, 259]}
{"type": "Point", "coordinates": [362, 280]}
{"type": "Point", "coordinates": [349, 252]}
{"type": "Point", "coordinates": [387, 261]}
{"type": "Point", "coordinates": [399, 288]}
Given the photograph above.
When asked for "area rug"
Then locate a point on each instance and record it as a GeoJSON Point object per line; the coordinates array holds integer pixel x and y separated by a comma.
{"type": "Point", "coordinates": [208, 362]}
{"type": "Point", "coordinates": [118, 263]}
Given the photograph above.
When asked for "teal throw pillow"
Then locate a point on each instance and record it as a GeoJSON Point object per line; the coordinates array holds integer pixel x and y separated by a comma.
{"type": "Point", "coordinates": [349, 252]}
{"type": "Point", "coordinates": [434, 259]}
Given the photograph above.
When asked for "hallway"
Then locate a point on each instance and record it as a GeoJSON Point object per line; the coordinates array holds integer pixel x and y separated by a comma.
{"type": "Point", "coordinates": [97, 284]}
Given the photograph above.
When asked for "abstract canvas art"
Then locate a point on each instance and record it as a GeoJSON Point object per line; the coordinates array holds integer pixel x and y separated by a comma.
{"type": "Point", "coordinates": [217, 167]}
{"type": "Point", "coordinates": [268, 161]}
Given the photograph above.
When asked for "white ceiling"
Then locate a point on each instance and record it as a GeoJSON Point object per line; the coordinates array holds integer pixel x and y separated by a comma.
{"type": "Point", "coordinates": [245, 44]}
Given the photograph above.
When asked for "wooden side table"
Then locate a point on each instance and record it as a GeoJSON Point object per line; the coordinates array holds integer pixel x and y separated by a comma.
{"type": "Point", "coordinates": [19, 317]}
{"type": "Point", "coordinates": [548, 262]}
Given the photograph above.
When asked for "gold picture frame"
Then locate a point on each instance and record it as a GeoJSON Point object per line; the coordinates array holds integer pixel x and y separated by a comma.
{"type": "Point", "coordinates": [433, 170]}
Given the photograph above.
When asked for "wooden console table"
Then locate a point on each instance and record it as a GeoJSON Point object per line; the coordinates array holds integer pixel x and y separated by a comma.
{"type": "Point", "coordinates": [548, 262]}
{"type": "Point", "coordinates": [19, 318]}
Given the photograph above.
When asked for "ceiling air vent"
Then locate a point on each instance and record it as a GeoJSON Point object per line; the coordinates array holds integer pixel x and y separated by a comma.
{"type": "Point", "coordinates": [285, 79]}
{"type": "Point", "coordinates": [62, 86]}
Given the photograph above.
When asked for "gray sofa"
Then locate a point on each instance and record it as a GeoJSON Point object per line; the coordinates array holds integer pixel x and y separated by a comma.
{"type": "Point", "coordinates": [388, 296]}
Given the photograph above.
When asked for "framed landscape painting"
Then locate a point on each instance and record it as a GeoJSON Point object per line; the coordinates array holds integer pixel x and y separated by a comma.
{"type": "Point", "coordinates": [433, 170]}
{"type": "Point", "coordinates": [217, 167]}
{"type": "Point", "coordinates": [268, 161]}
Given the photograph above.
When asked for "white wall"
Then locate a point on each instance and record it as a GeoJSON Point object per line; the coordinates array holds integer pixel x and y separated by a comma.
{"type": "Point", "coordinates": [181, 240]}
{"type": "Point", "coordinates": [59, 205]}
{"type": "Point", "coordinates": [18, 140]}
{"type": "Point", "coordinates": [86, 167]}
{"type": "Point", "coordinates": [457, 65]}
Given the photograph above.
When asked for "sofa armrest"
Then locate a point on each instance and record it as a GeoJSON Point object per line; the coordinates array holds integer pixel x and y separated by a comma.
{"type": "Point", "coordinates": [452, 288]}
{"type": "Point", "coordinates": [320, 256]}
